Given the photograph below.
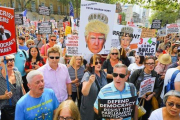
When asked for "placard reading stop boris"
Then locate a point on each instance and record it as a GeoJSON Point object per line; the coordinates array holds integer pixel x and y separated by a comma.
{"type": "Point", "coordinates": [7, 31]}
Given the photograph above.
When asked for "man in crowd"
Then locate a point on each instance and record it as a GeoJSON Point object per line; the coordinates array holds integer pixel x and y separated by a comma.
{"type": "Point", "coordinates": [39, 41]}
{"type": "Point", "coordinates": [44, 49]}
{"type": "Point", "coordinates": [56, 75]}
{"type": "Point", "coordinates": [39, 102]}
{"type": "Point", "coordinates": [118, 89]}
{"type": "Point", "coordinates": [163, 45]}
{"type": "Point", "coordinates": [21, 42]}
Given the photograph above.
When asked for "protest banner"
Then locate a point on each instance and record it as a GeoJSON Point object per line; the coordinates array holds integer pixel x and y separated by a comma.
{"type": "Point", "coordinates": [72, 45]}
{"type": "Point", "coordinates": [172, 28]}
{"type": "Point", "coordinates": [67, 30]}
{"type": "Point", "coordinates": [8, 43]}
{"type": "Point", "coordinates": [60, 23]}
{"type": "Point", "coordinates": [146, 47]}
{"type": "Point", "coordinates": [116, 108]}
{"type": "Point", "coordinates": [45, 28]}
{"type": "Point", "coordinates": [148, 33]}
{"type": "Point", "coordinates": [119, 31]}
{"type": "Point", "coordinates": [161, 32]}
{"type": "Point", "coordinates": [19, 19]}
{"type": "Point", "coordinates": [43, 10]}
{"type": "Point", "coordinates": [96, 26]}
{"type": "Point", "coordinates": [146, 86]}
{"type": "Point", "coordinates": [156, 24]}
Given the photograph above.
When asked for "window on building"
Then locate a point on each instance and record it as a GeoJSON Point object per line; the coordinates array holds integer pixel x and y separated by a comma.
{"type": "Point", "coordinates": [34, 18]}
{"type": "Point", "coordinates": [59, 10]}
{"type": "Point", "coordinates": [4, 4]}
{"type": "Point", "coordinates": [51, 8]}
{"type": "Point", "coordinates": [8, 4]}
{"type": "Point", "coordinates": [19, 7]}
{"type": "Point", "coordinates": [65, 10]}
{"type": "Point", "coordinates": [33, 6]}
{"type": "Point", "coordinates": [43, 4]}
{"type": "Point", "coordinates": [13, 5]}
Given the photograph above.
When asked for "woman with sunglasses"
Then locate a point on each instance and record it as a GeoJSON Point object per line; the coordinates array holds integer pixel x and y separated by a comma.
{"type": "Point", "coordinates": [76, 63]}
{"type": "Point", "coordinates": [15, 82]}
{"type": "Point", "coordinates": [112, 59]}
{"type": "Point", "coordinates": [30, 43]}
{"type": "Point", "coordinates": [67, 110]}
{"type": "Point", "coordinates": [143, 74]}
{"type": "Point", "coordinates": [93, 80]}
{"type": "Point", "coordinates": [172, 109]}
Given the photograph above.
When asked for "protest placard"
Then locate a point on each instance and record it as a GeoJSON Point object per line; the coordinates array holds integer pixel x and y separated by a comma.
{"type": "Point", "coordinates": [148, 33]}
{"type": "Point", "coordinates": [172, 28]}
{"type": "Point", "coordinates": [67, 23]}
{"type": "Point", "coordinates": [43, 10]}
{"type": "Point", "coordinates": [146, 86]}
{"type": "Point", "coordinates": [72, 45]}
{"type": "Point", "coordinates": [19, 19]}
{"type": "Point", "coordinates": [116, 108]}
{"type": "Point", "coordinates": [45, 28]}
{"type": "Point", "coordinates": [8, 43]}
{"type": "Point", "coordinates": [146, 47]}
{"type": "Point", "coordinates": [67, 30]}
{"type": "Point", "coordinates": [119, 31]}
{"type": "Point", "coordinates": [161, 32]}
{"type": "Point", "coordinates": [96, 26]}
{"type": "Point", "coordinates": [156, 24]}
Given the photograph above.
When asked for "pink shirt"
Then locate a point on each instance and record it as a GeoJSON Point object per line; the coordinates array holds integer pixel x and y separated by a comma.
{"type": "Point", "coordinates": [56, 80]}
{"type": "Point", "coordinates": [43, 49]}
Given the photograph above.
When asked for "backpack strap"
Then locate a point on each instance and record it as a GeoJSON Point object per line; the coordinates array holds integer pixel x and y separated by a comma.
{"type": "Point", "coordinates": [24, 54]}
{"type": "Point", "coordinates": [132, 89]}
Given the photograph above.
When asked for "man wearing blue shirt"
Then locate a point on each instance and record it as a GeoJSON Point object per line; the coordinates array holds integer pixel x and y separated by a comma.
{"type": "Point", "coordinates": [21, 42]}
{"type": "Point", "coordinates": [117, 89]}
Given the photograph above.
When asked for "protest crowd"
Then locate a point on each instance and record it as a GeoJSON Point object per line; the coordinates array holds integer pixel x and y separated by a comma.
{"type": "Point", "coordinates": [49, 76]}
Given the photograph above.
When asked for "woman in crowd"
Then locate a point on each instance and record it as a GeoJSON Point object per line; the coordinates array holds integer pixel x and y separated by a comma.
{"type": "Point", "coordinates": [172, 109]}
{"type": "Point", "coordinates": [131, 56]}
{"type": "Point", "coordinates": [76, 72]}
{"type": "Point", "coordinates": [93, 80]}
{"type": "Point", "coordinates": [67, 110]}
{"type": "Point", "coordinates": [15, 83]}
{"type": "Point", "coordinates": [112, 59]}
{"type": "Point", "coordinates": [30, 43]}
{"type": "Point", "coordinates": [143, 74]}
{"type": "Point", "coordinates": [34, 61]}
{"type": "Point", "coordinates": [174, 52]}
{"type": "Point", "coordinates": [123, 57]}
{"type": "Point", "coordinates": [137, 65]}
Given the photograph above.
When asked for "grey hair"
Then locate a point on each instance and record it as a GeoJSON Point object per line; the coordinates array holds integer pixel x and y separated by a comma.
{"type": "Point", "coordinates": [2, 58]}
{"type": "Point", "coordinates": [119, 65]}
{"type": "Point", "coordinates": [113, 48]}
{"type": "Point", "coordinates": [31, 74]}
{"type": "Point", "coordinates": [171, 93]}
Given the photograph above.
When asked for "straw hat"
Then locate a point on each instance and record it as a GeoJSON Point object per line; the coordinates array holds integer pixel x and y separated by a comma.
{"type": "Point", "coordinates": [165, 59]}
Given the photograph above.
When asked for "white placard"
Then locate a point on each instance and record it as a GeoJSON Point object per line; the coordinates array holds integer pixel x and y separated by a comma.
{"type": "Point", "coordinates": [172, 28]}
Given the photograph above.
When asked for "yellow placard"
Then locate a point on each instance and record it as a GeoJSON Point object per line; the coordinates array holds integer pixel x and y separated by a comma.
{"type": "Point", "coordinates": [67, 30]}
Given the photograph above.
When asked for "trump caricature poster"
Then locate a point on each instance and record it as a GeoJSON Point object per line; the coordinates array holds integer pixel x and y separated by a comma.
{"type": "Point", "coordinates": [96, 27]}
{"type": "Point", "coordinates": [7, 31]}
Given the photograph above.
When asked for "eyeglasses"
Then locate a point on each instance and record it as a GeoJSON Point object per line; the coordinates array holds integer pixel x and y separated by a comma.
{"type": "Point", "coordinates": [26, 36]}
{"type": "Point", "coordinates": [31, 44]}
{"type": "Point", "coordinates": [96, 63]}
{"type": "Point", "coordinates": [171, 104]}
{"type": "Point", "coordinates": [120, 75]}
{"type": "Point", "coordinates": [53, 40]}
{"type": "Point", "coordinates": [63, 118]}
{"type": "Point", "coordinates": [150, 64]}
{"type": "Point", "coordinates": [114, 53]}
{"type": "Point", "coordinates": [9, 60]}
{"type": "Point", "coordinates": [51, 57]}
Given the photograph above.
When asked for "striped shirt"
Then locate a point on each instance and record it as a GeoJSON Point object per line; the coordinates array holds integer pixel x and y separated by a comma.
{"type": "Point", "coordinates": [110, 92]}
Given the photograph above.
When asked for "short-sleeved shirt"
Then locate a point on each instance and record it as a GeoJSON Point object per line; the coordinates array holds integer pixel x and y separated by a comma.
{"type": "Point", "coordinates": [56, 80]}
{"type": "Point", "coordinates": [109, 91]}
{"type": "Point", "coordinates": [29, 108]}
{"type": "Point", "coordinates": [132, 67]}
{"type": "Point", "coordinates": [47, 46]}
{"type": "Point", "coordinates": [157, 114]}
{"type": "Point", "coordinates": [23, 47]}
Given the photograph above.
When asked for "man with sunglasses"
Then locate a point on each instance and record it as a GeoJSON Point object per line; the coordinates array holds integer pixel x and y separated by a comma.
{"type": "Point", "coordinates": [44, 49]}
{"type": "Point", "coordinates": [118, 89]}
{"type": "Point", "coordinates": [56, 75]}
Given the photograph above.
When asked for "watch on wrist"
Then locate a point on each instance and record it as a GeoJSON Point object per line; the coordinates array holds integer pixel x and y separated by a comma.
{"type": "Point", "coordinates": [70, 96]}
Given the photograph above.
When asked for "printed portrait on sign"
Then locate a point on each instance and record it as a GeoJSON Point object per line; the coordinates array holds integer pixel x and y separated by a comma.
{"type": "Point", "coordinates": [126, 37]}
{"type": "Point", "coordinates": [96, 32]}
{"type": "Point", "coordinates": [4, 34]}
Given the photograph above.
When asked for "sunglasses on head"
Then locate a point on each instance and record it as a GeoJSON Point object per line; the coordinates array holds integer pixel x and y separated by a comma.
{"type": "Point", "coordinates": [171, 104]}
{"type": "Point", "coordinates": [53, 40]}
{"type": "Point", "coordinates": [120, 75]}
{"type": "Point", "coordinates": [51, 57]}
{"type": "Point", "coordinates": [9, 60]}
{"type": "Point", "coordinates": [114, 53]}
{"type": "Point", "coordinates": [98, 62]}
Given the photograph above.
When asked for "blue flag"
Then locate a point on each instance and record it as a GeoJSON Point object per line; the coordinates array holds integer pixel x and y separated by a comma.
{"type": "Point", "coordinates": [71, 9]}
{"type": "Point", "coordinates": [24, 12]}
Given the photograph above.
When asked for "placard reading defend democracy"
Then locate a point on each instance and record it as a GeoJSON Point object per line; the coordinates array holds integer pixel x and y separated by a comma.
{"type": "Point", "coordinates": [146, 86]}
{"type": "Point", "coordinates": [7, 31]}
{"type": "Point", "coordinates": [116, 108]}
{"type": "Point", "coordinates": [19, 19]}
{"type": "Point", "coordinates": [45, 28]}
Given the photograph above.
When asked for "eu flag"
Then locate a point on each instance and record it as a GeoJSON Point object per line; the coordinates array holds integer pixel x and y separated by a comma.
{"type": "Point", "coordinates": [71, 9]}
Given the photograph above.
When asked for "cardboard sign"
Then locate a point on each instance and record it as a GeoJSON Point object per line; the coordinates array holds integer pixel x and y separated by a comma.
{"type": "Point", "coordinates": [116, 108]}
{"type": "Point", "coordinates": [97, 20]}
{"type": "Point", "coordinates": [146, 47]}
{"type": "Point", "coordinates": [156, 24]}
{"type": "Point", "coordinates": [19, 19]}
{"type": "Point", "coordinates": [45, 28]}
{"type": "Point", "coordinates": [146, 86]}
{"type": "Point", "coordinates": [172, 28]}
{"type": "Point", "coordinates": [148, 33]}
{"type": "Point", "coordinates": [7, 31]}
{"type": "Point", "coordinates": [43, 10]}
